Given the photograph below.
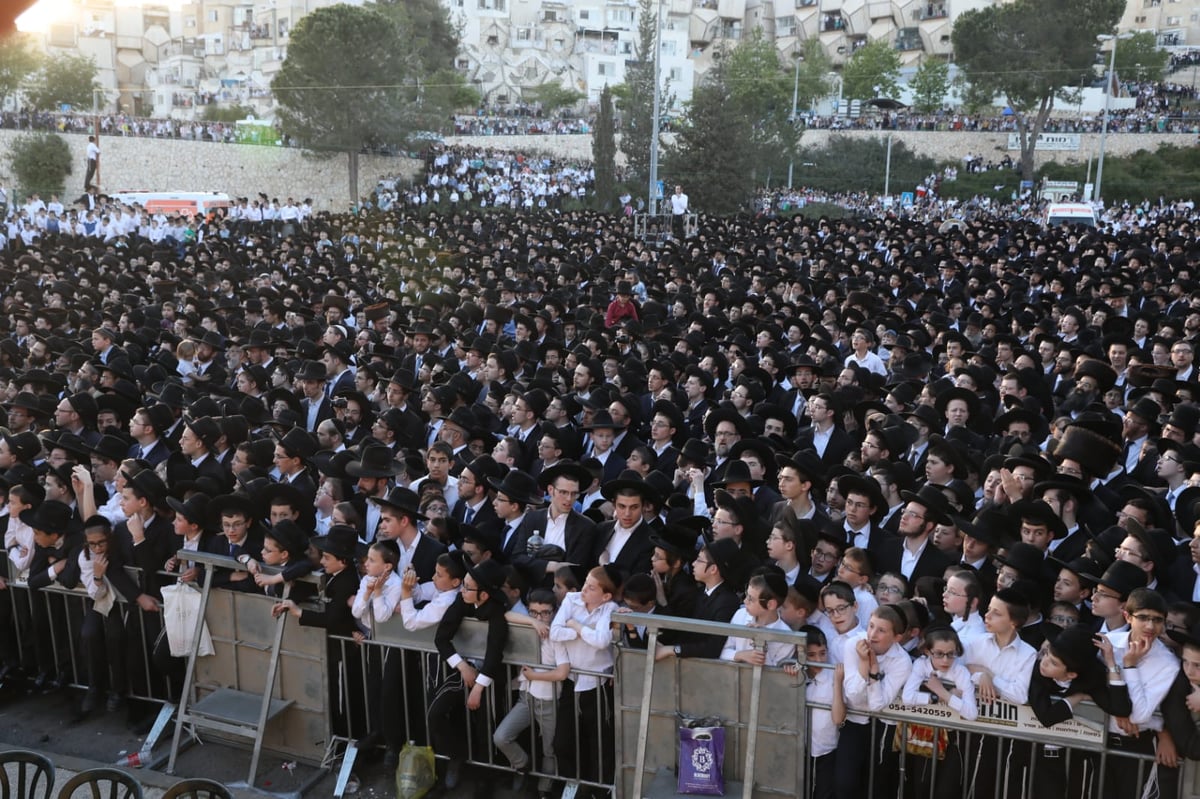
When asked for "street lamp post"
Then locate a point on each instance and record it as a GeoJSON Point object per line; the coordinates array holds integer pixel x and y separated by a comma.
{"type": "Point", "coordinates": [1108, 78]}
{"type": "Point", "coordinates": [792, 119]}
{"type": "Point", "coordinates": [655, 120]}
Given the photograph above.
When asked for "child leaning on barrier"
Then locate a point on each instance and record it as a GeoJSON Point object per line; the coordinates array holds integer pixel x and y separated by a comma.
{"type": "Point", "coordinates": [822, 686]}
{"type": "Point", "coordinates": [764, 594]}
{"type": "Point", "coordinates": [539, 688]}
{"type": "Point", "coordinates": [939, 676]}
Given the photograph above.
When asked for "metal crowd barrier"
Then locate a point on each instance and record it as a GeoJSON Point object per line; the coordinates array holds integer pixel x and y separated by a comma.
{"type": "Point", "coordinates": [764, 710]}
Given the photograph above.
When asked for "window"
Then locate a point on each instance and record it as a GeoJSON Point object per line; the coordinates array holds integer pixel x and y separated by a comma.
{"type": "Point", "coordinates": [669, 48]}
{"type": "Point", "coordinates": [676, 74]}
{"type": "Point", "coordinates": [605, 69]}
{"type": "Point", "coordinates": [463, 63]}
{"type": "Point", "coordinates": [531, 71]}
{"type": "Point", "coordinates": [583, 14]}
{"type": "Point", "coordinates": [523, 34]}
{"type": "Point", "coordinates": [493, 39]}
{"type": "Point", "coordinates": [1174, 20]}
{"type": "Point", "coordinates": [213, 15]}
{"type": "Point", "coordinates": [550, 15]}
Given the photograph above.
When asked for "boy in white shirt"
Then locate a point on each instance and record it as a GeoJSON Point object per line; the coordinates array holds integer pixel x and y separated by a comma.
{"type": "Point", "coordinates": [764, 594]}
{"type": "Point", "coordinates": [539, 688]}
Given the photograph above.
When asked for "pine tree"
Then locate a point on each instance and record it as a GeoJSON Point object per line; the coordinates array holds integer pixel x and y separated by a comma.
{"type": "Point", "coordinates": [604, 152]}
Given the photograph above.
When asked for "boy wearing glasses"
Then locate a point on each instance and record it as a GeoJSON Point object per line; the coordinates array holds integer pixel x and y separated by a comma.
{"type": "Point", "coordinates": [539, 687]}
{"type": "Point", "coordinates": [839, 618]}
{"type": "Point", "coordinates": [1149, 668]}
{"type": "Point", "coordinates": [764, 596]}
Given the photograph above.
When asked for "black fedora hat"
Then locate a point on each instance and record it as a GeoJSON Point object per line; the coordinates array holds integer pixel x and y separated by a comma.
{"type": "Point", "coordinates": [374, 461]}
{"type": "Point", "coordinates": [1076, 648]}
{"type": "Point", "coordinates": [404, 500]}
{"type": "Point", "coordinates": [290, 537]}
{"type": "Point", "coordinates": [1085, 568]}
{"type": "Point", "coordinates": [52, 516]}
{"type": "Point", "coordinates": [630, 480]}
{"type": "Point", "coordinates": [110, 448]}
{"type": "Point", "coordinates": [206, 429]}
{"type": "Point", "coordinates": [341, 541]}
{"type": "Point", "coordinates": [485, 467]}
{"type": "Point", "coordinates": [489, 576]}
{"type": "Point", "coordinates": [1188, 637]}
{"type": "Point", "coordinates": [68, 442]}
{"type": "Point", "coordinates": [233, 504]}
{"type": "Point", "coordinates": [696, 451]}
{"type": "Point", "coordinates": [312, 370]}
{"type": "Point", "coordinates": [565, 468]}
{"type": "Point", "coordinates": [1123, 577]}
{"type": "Point", "coordinates": [1026, 559]}
{"type": "Point", "coordinates": [808, 463]}
{"type": "Point", "coordinates": [726, 556]}
{"type": "Point", "coordinates": [195, 509]}
{"type": "Point", "coordinates": [719, 415]}
{"type": "Point", "coordinates": [677, 539]}
{"type": "Point", "coordinates": [736, 471]}
{"type": "Point", "coordinates": [300, 443]}
{"type": "Point", "coordinates": [934, 501]}
{"type": "Point", "coordinates": [519, 487]}
{"type": "Point", "coordinates": [1040, 512]}
{"type": "Point", "coordinates": [602, 420]}
{"type": "Point", "coordinates": [953, 393]}
{"type": "Point", "coordinates": [26, 446]}
{"type": "Point", "coordinates": [858, 484]}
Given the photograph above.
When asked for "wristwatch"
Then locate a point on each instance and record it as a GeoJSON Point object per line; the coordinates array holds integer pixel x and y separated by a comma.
{"type": "Point", "coordinates": [244, 558]}
{"type": "Point", "coordinates": [677, 651]}
{"type": "Point", "coordinates": [876, 675]}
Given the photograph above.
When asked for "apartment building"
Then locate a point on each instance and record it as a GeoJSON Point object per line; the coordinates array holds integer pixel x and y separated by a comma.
{"type": "Point", "coordinates": [171, 59]}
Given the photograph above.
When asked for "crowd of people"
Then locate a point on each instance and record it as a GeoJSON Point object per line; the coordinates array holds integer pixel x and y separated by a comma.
{"type": "Point", "coordinates": [962, 459]}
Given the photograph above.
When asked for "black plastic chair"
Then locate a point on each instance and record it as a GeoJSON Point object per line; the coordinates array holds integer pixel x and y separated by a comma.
{"type": "Point", "coordinates": [35, 775]}
{"type": "Point", "coordinates": [119, 785]}
{"type": "Point", "coordinates": [198, 788]}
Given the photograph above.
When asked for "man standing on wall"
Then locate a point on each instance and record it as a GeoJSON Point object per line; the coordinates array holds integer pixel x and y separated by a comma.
{"type": "Point", "coordinates": [93, 162]}
{"type": "Point", "coordinates": [679, 208]}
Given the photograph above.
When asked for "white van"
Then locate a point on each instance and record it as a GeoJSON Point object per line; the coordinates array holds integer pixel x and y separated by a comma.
{"type": "Point", "coordinates": [1069, 214]}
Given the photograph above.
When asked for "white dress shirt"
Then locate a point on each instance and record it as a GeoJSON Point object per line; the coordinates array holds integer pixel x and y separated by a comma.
{"type": "Point", "coordinates": [1010, 666]}
{"type": "Point", "coordinates": [863, 693]}
{"type": "Point", "coordinates": [591, 648]}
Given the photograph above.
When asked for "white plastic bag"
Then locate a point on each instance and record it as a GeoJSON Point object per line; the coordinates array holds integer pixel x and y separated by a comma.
{"type": "Point", "coordinates": [181, 605]}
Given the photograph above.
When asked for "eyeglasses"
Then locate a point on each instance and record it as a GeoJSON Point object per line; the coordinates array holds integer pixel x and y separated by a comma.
{"type": "Point", "coordinates": [949, 592]}
{"type": "Point", "coordinates": [1127, 551]}
{"type": "Point", "coordinates": [1063, 621]}
{"type": "Point", "coordinates": [823, 556]}
{"type": "Point", "coordinates": [563, 492]}
{"type": "Point", "coordinates": [838, 611]}
{"type": "Point", "coordinates": [1105, 595]}
{"type": "Point", "coordinates": [890, 589]}
{"type": "Point", "coordinates": [843, 564]}
{"type": "Point", "coordinates": [704, 563]}
{"type": "Point", "coordinates": [935, 655]}
{"type": "Point", "coordinates": [1155, 621]}
{"type": "Point", "coordinates": [1169, 458]}
{"type": "Point", "coordinates": [542, 614]}
{"type": "Point", "coordinates": [913, 514]}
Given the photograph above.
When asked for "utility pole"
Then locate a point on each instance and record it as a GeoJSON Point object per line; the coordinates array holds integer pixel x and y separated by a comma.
{"type": "Point", "coordinates": [655, 121]}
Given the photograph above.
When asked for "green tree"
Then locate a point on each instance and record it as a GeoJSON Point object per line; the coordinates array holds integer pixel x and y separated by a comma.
{"type": "Point", "coordinates": [429, 33]}
{"type": "Point", "coordinates": [814, 69]}
{"type": "Point", "coordinates": [635, 98]}
{"type": "Point", "coordinates": [930, 85]}
{"type": "Point", "coordinates": [1031, 51]}
{"type": "Point", "coordinates": [331, 102]}
{"type": "Point", "coordinates": [18, 60]}
{"type": "Point", "coordinates": [873, 71]}
{"type": "Point", "coordinates": [552, 96]}
{"type": "Point", "coordinates": [737, 132]}
{"type": "Point", "coordinates": [229, 113]}
{"type": "Point", "coordinates": [1140, 57]}
{"type": "Point", "coordinates": [64, 80]}
{"type": "Point", "coordinates": [604, 152]}
{"type": "Point", "coordinates": [41, 162]}
{"type": "Point", "coordinates": [710, 156]}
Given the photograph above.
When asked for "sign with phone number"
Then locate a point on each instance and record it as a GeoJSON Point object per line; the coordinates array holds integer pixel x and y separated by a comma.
{"type": "Point", "coordinates": [1002, 718]}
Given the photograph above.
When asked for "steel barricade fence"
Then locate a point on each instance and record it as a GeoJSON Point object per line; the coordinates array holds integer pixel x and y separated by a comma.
{"type": "Point", "coordinates": [48, 625]}
{"type": "Point", "coordinates": [402, 674]}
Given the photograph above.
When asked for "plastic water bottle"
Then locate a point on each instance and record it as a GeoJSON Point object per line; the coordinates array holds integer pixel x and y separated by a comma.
{"type": "Point", "coordinates": [535, 543]}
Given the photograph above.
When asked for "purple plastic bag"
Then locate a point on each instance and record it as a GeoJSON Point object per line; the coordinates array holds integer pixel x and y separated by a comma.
{"type": "Point", "coordinates": [702, 761]}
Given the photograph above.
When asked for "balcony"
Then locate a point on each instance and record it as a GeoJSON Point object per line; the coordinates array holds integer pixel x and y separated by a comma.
{"type": "Point", "coordinates": [931, 11]}
{"type": "Point", "coordinates": [909, 39]}
{"type": "Point", "coordinates": [833, 23]}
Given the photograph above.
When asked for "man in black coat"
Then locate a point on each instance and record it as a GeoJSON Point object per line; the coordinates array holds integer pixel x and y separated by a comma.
{"type": "Point", "coordinates": [912, 552]}
{"type": "Point", "coordinates": [398, 519]}
{"type": "Point", "coordinates": [624, 541]}
{"type": "Point", "coordinates": [716, 565]}
{"type": "Point", "coordinates": [568, 537]}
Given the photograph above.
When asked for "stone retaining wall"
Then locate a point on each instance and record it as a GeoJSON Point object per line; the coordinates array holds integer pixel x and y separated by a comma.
{"type": "Point", "coordinates": [939, 145]}
{"type": "Point", "coordinates": [239, 169]}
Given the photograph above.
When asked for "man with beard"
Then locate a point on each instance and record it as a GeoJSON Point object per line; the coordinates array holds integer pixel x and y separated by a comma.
{"type": "Point", "coordinates": [1092, 379]}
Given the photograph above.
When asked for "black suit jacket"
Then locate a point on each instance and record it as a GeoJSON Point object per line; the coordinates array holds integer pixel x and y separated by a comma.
{"type": "Point", "coordinates": [932, 563]}
{"type": "Point", "coordinates": [720, 606]}
{"type": "Point", "coordinates": [152, 554]}
{"type": "Point", "coordinates": [324, 411]}
{"type": "Point", "coordinates": [336, 616]}
{"type": "Point", "coordinates": [581, 549]}
{"type": "Point", "coordinates": [424, 560]}
{"type": "Point", "coordinates": [45, 557]}
{"type": "Point", "coordinates": [634, 557]}
{"type": "Point", "coordinates": [252, 546]}
{"type": "Point", "coordinates": [840, 445]}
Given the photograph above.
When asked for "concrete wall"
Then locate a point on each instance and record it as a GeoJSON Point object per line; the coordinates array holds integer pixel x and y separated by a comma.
{"type": "Point", "coordinates": [238, 169]}
{"type": "Point", "coordinates": [242, 170]}
{"type": "Point", "coordinates": [942, 146]}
